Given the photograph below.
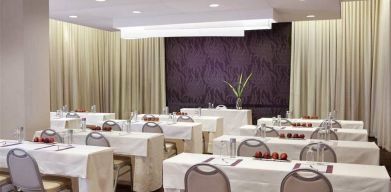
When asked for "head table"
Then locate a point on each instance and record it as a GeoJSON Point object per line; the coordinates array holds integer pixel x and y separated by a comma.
{"type": "Point", "coordinates": [347, 151]}
{"type": "Point", "coordinates": [257, 175]}
{"type": "Point", "coordinates": [148, 157]}
{"type": "Point", "coordinates": [343, 134]}
{"type": "Point", "coordinates": [92, 166]}
{"type": "Point", "coordinates": [346, 124]}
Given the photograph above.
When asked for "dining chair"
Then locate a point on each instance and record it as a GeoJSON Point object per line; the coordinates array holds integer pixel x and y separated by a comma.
{"type": "Point", "coordinates": [25, 175]}
{"type": "Point", "coordinates": [334, 124]}
{"type": "Point", "coordinates": [249, 147]}
{"type": "Point", "coordinates": [120, 162]}
{"type": "Point", "coordinates": [72, 115]}
{"type": "Point", "coordinates": [316, 135]}
{"type": "Point", "coordinates": [310, 151]}
{"type": "Point", "coordinates": [307, 180]}
{"type": "Point", "coordinates": [185, 118]}
{"type": "Point", "coordinates": [206, 178]}
{"type": "Point", "coordinates": [114, 125]}
{"type": "Point", "coordinates": [270, 132]}
{"type": "Point", "coordinates": [170, 148]}
{"type": "Point", "coordinates": [50, 133]}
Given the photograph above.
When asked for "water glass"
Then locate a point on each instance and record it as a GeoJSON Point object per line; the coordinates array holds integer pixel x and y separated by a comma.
{"type": "Point", "coordinates": [20, 134]}
{"type": "Point", "coordinates": [223, 149]}
{"type": "Point", "coordinates": [69, 137]}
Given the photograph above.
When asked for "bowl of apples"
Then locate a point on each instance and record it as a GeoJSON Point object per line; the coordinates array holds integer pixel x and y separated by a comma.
{"type": "Point", "coordinates": [271, 157]}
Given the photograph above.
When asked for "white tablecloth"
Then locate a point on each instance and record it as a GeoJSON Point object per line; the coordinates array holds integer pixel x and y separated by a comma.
{"type": "Point", "coordinates": [233, 119]}
{"type": "Point", "coordinates": [62, 123]}
{"type": "Point", "coordinates": [343, 134]}
{"type": "Point", "coordinates": [212, 126]}
{"type": "Point", "coordinates": [91, 118]}
{"type": "Point", "coordinates": [346, 124]}
{"type": "Point", "coordinates": [191, 133]}
{"type": "Point", "coordinates": [266, 176]}
{"type": "Point", "coordinates": [347, 151]}
{"type": "Point", "coordinates": [143, 146]}
{"type": "Point", "coordinates": [93, 166]}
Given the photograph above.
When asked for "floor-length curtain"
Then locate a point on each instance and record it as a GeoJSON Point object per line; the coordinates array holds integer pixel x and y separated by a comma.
{"type": "Point", "coordinates": [90, 66]}
{"type": "Point", "coordinates": [335, 66]}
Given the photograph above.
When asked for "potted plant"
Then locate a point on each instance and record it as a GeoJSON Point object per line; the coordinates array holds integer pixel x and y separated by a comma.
{"type": "Point", "coordinates": [238, 89]}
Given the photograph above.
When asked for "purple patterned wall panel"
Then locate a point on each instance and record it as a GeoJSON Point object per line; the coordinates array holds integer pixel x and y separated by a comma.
{"type": "Point", "coordinates": [196, 68]}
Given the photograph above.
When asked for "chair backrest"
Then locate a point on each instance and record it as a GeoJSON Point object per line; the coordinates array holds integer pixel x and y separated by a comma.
{"type": "Point", "coordinates": [270, 132]}
{"type": "Point", "coordinates": [152, 127]}
{"type": "Point", "coordinates": [72, 115]}
{"type": "Point", "coordinates": [320, 134]}
{"type": "Point", "coordinates": [221, 107]}
{"type": "Point", "coordinates": [185, 118]}
{"type": "Point", "coordinates": [97, 139]}
{"type": "Point", "coordinates": [206, 178]}
{"type": "Point", "coordinates": [310, 151]}
{"type": "Point", "coordinates": [50, 133]}
{"type": "Point", "coordinates": [334, 124]}
{"type": "Point", "coordinates": [307, 180]}
{"type": "Point", "coordinates": [114, 125]}
{"type": "Point", "coordinates": [248, 147]}
{"type": "Point", "coordinates": [24, 171]}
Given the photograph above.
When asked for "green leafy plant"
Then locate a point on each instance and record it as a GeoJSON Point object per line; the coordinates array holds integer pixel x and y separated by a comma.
{"type": "Point", "coordinates": [238, 90]}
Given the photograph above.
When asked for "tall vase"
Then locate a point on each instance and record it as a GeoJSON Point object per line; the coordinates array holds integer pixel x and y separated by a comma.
{"type": "Point", "coordinates": [238, 103]}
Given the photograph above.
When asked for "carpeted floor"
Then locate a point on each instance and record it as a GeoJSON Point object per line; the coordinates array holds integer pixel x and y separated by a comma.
{"type": "Point", "coordinates": [385, 159]}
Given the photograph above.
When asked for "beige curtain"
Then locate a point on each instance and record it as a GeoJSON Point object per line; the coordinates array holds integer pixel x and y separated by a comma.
{"type": "Point", "coordinates": [91, 66]}
{"type": "Point", "coordinates": [336, 66]}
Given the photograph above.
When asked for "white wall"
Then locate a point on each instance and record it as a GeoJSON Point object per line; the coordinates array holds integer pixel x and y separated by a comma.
{"type": "Point", "coordinates": [24, 66]}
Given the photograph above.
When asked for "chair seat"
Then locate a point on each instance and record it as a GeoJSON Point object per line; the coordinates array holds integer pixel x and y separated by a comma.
{"type": "Point", "coordinates": [4, 178]}
{"type": "Point", "coordinates": [171, 150]}
{"type": "Point", "coordinates": [121, 161]}
{"type": "Point", "coordinates": [54, 184]}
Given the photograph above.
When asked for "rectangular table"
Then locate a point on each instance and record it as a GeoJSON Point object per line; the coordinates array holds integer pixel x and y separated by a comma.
{"type": "Point", "coordinates": [346, 124]}
{"type": "Point", "coordinates": [92, 166]}
{"type": "Point", "coordinates": [347, 151]}
{"type": "Point", "coordinates": [146, 148]}
{"type": "Point", "coordinates": [91, 118]}
{"type": "Point", "coordinates": [233, 118]}
{"type": "Point", "coordinates": [212, 127]}
{"type": "Point", "coordinates": [257, 175]}
{"type": "Point", "coordinates": [64, 123]}
{"type": "Point", "coordinates": [343, 134]}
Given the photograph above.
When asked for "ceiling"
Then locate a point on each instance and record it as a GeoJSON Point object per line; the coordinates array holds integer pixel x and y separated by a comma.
{"type": "Point", "coordinates": [114, 14]}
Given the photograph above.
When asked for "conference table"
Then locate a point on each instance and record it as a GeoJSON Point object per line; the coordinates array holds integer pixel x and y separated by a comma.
{"type": "Point", "coordinates": [258, 175]}
{"type": "Point", "coordinates": [190, 134]}
{"type": "Point", "coordinates": [355, 152]}
{"type": "Point", "coordinates": [91, 118]}
{"type": "Point", "coordinates": [64, 123]}
{"type": "Point", "coordinates": [343, 134]}
{"type": "Point", "coordinates": [346, 124]}
{"type": "Point", "coordinates": [146, 148]}
{"type": "Point", "coordinates": [89, 166]}
{"type": "Point", "coordinates": [212, 127]}
{"type": "Point", "coordinates": [233, 118]}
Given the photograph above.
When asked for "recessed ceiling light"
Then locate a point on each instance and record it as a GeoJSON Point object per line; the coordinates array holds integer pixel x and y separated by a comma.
{"type": "Point", "coordinates": [100, 0]}
{"type": "Point", "coordinates": [73, 16]}
{"type": "Point", "coordinates": [136, 12]}
{"type": "Point", "coordinates": [214, 5]}
{"type": "Point", "coordinates": [310, 16]}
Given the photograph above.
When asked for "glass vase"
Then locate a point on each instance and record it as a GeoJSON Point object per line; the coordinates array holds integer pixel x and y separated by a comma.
{"type": "Point", "coordinates": [239, 103]}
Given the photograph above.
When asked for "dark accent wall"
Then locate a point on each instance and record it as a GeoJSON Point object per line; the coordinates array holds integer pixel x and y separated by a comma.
{"type": "Point", "coordinates": [196, 68]}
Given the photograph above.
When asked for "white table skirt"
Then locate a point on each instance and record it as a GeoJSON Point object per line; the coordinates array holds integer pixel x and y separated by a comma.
{"type": "Point", "coordinates": [93, 166]}
{"type": "Point", "coordinates": [143, 146]}
{"type": "Point", "coordinates": [343, 134]}
{"type": "Point", "coordinates": [212, 127]}
{"type": "Point", "coordinates": [346, 124]}
{"type": "Point", "coordinates": [266, 176]}
{"type": "Point", "coordinates": [233, 119]}
{"type": "Point", "coordinates": [347, 151]}
{"type": "Point", "coordinates": [64, 123]}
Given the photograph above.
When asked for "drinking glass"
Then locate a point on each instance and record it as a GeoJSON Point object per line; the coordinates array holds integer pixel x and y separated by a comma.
{"type": "Point", "coordinates": [223, 149]}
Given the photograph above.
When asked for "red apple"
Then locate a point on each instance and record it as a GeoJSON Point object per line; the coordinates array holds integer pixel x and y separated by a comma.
{"type": "Point", "coordinates": [258, 154]}
{"type": "Point", "coordinates": [46, 140]}
{"type": "Point", "coordinates": [51, 140]}
{"type": "Point", "coordinates": [309, 124]}
{"type": "Point", "coordinates": [302, 136]}
{"type": "Point", "coordinates": [274, 155]}
{"type": "Point", "coordinates": [304, 124]}
{"type": "Point", "coordinates": [295, 135]}
{"type": "Point", "coordinates": [289, 135]}
{"type": "Point", "coordinates": [98, 128]}
{"type": "Point", "coordinates": [266, 155]}
{"type": "Point", "coordinates": [35, 139]}
{"type": "Point", "coordinates": [40, 139]}
{"type": "Point", "coordinates": [293, 124]}
{"type": "Point", "coordinates": [282, 135]}
{"type": "Point", "coordinates": [284, 156]}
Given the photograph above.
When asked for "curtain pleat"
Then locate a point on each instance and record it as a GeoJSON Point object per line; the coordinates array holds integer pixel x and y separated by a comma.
{"type": "Point", "coordinates": [90, 66]}
{"type": "Point", "coordinates": [344, 65]}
